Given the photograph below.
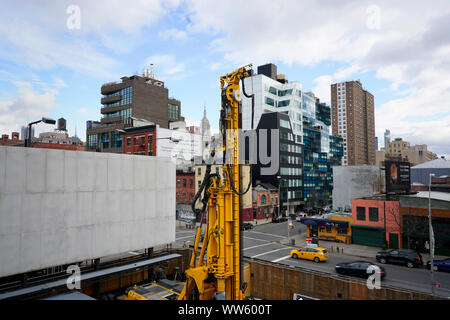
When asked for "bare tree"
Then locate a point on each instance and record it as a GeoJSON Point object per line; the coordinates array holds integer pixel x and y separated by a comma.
{"type": "Point", "coordinates": [406, 225]}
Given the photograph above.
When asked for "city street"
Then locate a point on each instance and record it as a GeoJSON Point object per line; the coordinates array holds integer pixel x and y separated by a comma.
{"type": "Point", "coordinates": [263, 242]}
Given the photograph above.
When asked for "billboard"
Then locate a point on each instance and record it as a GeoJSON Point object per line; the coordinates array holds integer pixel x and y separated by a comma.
{"type": "Point", "coordinates": [398, 176]}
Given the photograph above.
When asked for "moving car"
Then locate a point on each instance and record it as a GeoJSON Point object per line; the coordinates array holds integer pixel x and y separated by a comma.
{"type": "Point", "coordinates": [316, 254]}
{"type": "Point", "coordinates": [246, 225]}
{"type": "Point", "coordinates": [279, 219]}
{"type": "Point", "coordinates": [440, 265]}
{"type": "Point", "coordinates": [407, 257]}
{"type": "Point", "coordinates": [358, 269]}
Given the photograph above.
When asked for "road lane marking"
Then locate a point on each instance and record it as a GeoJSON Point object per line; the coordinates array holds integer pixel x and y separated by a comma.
{"type": "Point", "coordinates": [279, 259]}
{"type": "Point", "coordinates": [260, 245]}
{"type": "Point", "coordinates": [257, 239]}
{"type": "Point", "coordinates": [268, 234]}
{"type": "Point", "coordinates": [191, 236]}
{"type": "Point", "coordinates": [264, 253]}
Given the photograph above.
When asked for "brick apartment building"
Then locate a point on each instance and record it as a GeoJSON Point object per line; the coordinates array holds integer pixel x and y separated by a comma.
{"type": "Point", "coordinates": [140, 140]}
{"type": "Point", "coordinates": [352, 114]}
{"type": "Point", "coordinates": [14, 141]}
{"type": "Point", "coordinates": [58, 141]}
{"type": "Point", "coordinates": [185, 186]}
{"type": "Point", "coordinates": [265, 202]}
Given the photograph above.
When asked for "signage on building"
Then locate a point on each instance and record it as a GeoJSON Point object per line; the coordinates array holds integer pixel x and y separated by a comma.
{"type": "Point", "coordinates": [398, 176]}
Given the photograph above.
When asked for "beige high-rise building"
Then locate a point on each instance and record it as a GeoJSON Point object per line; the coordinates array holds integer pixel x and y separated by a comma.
{"type": "Point", "coordinates": [400, 149]}
{"type": "Point", "coordinates": [352, 116]}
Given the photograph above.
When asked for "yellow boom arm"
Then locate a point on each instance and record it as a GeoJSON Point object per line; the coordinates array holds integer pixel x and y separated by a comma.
{"type": "Point", "coordinates": [220, 277]}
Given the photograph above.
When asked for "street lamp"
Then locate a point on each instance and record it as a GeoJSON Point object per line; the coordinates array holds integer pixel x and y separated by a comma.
{"type": "Point", "coordinates": [279, 195]}
{"type": "Point", "coordinates": [431, 234]}
{"type": "Point", "coordinates": [44, 120]}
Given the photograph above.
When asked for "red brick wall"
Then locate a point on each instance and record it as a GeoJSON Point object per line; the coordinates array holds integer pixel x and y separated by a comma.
{"type": "Point", "coordinates": [388, 215]}
{"type": "Point", "coordinates": [188, 190]}
{"type": "Point", "coordinates": [59, 146]}
{"type": "Point", "coordinates": [140, 147]}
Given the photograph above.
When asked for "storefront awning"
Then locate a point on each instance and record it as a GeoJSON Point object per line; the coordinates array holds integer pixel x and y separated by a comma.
{"type": "Point", "coordinates": [308, 222]}
{"type": "Point", "coordinates": [324, 222]}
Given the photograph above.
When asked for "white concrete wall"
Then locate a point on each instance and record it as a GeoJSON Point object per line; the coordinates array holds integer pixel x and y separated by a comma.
{"type": "Point", "coordinates": [351, 182]}
{"type": "Point", "coordinates": [59, 207]}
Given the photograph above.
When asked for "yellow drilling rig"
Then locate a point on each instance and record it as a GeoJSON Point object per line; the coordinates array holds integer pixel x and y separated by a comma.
{"type": "Point", "coordinates": [219, 276]}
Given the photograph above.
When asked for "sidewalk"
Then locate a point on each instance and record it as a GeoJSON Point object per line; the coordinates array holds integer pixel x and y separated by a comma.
{"type": "Point", "coordinates": [348, 249]}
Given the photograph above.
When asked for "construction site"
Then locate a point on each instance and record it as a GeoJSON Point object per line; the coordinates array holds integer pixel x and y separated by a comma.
{"type": "Point", "coordinates": [83, 226]}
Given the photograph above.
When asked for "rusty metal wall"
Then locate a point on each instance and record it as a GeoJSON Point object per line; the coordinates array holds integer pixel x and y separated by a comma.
{"type": "Point", "coordinates": [278, 282]}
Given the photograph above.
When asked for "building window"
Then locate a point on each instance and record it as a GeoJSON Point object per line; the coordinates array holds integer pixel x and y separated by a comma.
{"type": "Point", "coordinates": [184, 197]}
{"type": "Point", "coordinates": [199, 171]}
{"type": "Point", "coordinates": [127, 97]}
{"type": "Point", "coordinates": [128, 141]}
{"type": "Point", "coordinates": [184, 183]}
{"type": "Point", "coordinates": [361, 213]}
{"type": "Point", "coordinates": [173, 111]}
{"type": "Point", "coordinates": [270, 101]}
{"type": "Point", "coordinates": [105, 140]}
{"type": "Point", "coordinates": [116, 140]}
{"type": "Point", "coordinates": [328, 229]}
{"type": "Point", "coordinates": [283, 103]}
{"type": "Point", "coordinates": [92, 141]}
{"type": "Point", "coordinates": [178, 183]}
{"type": "Point", "coordinates": [263, 199]}
{"type": "Point", "coordinates": [191, 183]}
{"type": "Point", "coordinates": [373, 214]}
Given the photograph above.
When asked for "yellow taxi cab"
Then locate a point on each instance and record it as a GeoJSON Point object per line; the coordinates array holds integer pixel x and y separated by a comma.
{"type": "Point", "coordinates": [316, 254]}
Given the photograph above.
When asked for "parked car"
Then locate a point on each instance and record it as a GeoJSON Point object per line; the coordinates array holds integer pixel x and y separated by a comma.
{"type": "Point", "coordinates": [246, 225]}
{"type": "Point", "coordinates": [440, 265]}
{"type": "Point", "coordinates": [408, 257]}
{"type": "Point", "coordinates": [358, 269]}
{"type": "Point", "coordinates": [279, 219]}
{"type": "Point", "coordinates": [317, 254]}
{"type": "Point", "coordinates": [293, 216]}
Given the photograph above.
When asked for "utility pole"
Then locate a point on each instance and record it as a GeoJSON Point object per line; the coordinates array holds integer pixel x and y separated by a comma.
{"type": "Point", "coordinates": [431, 233]}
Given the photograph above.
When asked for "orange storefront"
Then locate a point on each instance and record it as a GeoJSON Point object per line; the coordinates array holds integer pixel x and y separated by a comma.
{"type": "Point", "coordinates": [376, 222]}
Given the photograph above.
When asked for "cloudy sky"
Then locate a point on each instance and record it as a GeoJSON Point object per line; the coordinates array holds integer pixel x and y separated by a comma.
{"type": "Point", "coordinates": [53, 64]}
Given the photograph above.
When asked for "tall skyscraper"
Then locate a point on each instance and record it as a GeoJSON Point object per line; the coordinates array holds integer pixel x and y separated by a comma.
{"type": "Point", "coordinates": [387, 138]}
{"type": "Point", "coordinates": [353, 119]}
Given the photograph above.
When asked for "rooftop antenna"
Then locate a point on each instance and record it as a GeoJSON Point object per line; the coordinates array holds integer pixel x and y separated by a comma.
{"type": "Point", "coordinates": [152, 74]}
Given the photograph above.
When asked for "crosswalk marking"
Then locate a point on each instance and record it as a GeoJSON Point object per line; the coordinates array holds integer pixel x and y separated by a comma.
{"type": "Point", "coordinates": [279, 259]}
{"type": "Point", "coordinates": [259, 245]}
{"type": "Point", "coordinates": [264, 253]}
{"type": "Point", "coordinates": [267, 234]}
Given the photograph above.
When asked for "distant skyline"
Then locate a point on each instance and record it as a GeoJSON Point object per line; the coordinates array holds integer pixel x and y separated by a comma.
{"type": "Point", "coordinates": [55, 55]}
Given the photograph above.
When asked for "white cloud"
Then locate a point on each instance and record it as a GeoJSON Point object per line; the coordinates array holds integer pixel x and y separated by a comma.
{"type": "Point", "coordinates": [29, 105]}
{"type": "Point", "coordinates": [215, 66]}
{"type": "Point", "coordinates": [173, 34]}
{"type": "Point", "coordinates": [409, 48]}
{"type": "Point", "coordinates": [166, 67]}
{"type": "Point", "coordinates": [81, 110]}
{"type": "Point", "coordinates": [39, 38]}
